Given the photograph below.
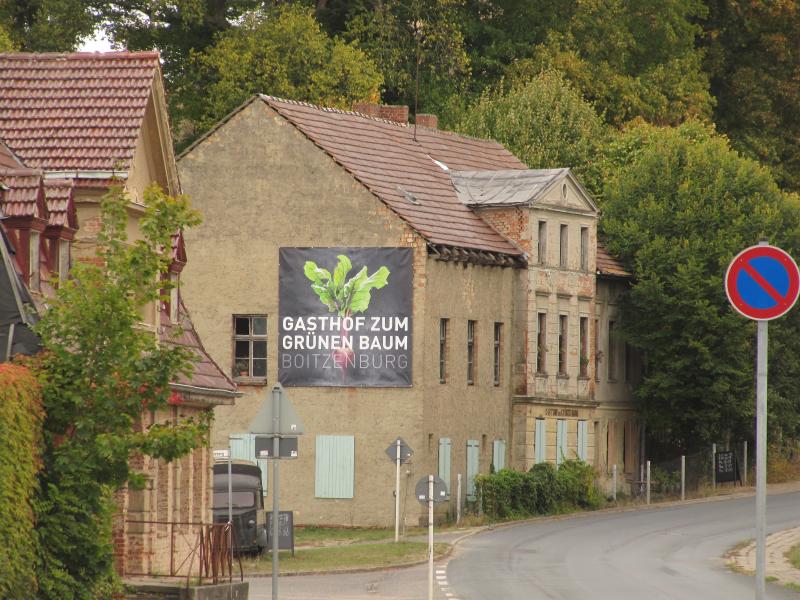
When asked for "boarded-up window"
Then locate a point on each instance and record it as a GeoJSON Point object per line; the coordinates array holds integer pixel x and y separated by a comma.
{"type": "Point", "coordinates": [562, 345]}
{"type": "Point", "coordinates": [541, 249]}
{"type": "Point", "coordinates": [442, 350]}
{"type": "Point", "coordinates": [583, 440]}
{"type": "Point", "coordinates": [473, 458]}
{"type": "Point", "coordinates": [499, 455]}
{"type": "Point", "coordinates": [584, 248]}
{"type": "Point", "coordinates": [597, 349]}
{"type": "Point", "coordinates": [444, 461]}
{"type": "Point", "coordinates": [563, 247]}
{"type": "Point", "coordinates": [584, 345]}
{"type": "Point", "coordinates": [541, 342]}
{"type": "Point", "coordinates": [470, 352]}
{"type": "Point", "coordinates": [243, 447]}
{"type": "Point", "coordinates": [540, 441]}
{"type": "Point", "coordinates": [561, 441]}
{"type": "Point", "coordinates": [498, 351]}
{"type": "Point", "coordinates": [335, 466]}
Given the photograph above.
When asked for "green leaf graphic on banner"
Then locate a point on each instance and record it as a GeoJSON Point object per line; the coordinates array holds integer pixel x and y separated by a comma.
{"type": "Point", "coordinates": [340, 296]}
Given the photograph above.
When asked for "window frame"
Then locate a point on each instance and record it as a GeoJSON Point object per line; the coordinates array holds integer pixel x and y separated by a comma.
{"type": "Point", "coordinates": [34, 260]}
{"type": "Point", "coordinates": [563, 246]}
{"type": "Point", "coordinates": [443, 327]}
{"type": "Point", "coordinates": [563, 335]}
{"type": "Point", "coordinates": [498, 353]}
{"type": "Point", "coordinates": [584, 249]}
{"type": "Point", "coordinates": [541, 343]}
{"type": "Point", "coordinates": [250, 338]}
{"type": "Point", "coordinates": [64, 253]}
{"type": "Point", "coordinates": [583, 345]}
{"type": "Point", "coordinates": [471, 326]}
{"type": "Point", "coordinates": [541, 243]}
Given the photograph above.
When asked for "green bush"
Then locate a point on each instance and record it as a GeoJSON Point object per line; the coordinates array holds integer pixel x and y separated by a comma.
{"type": "Point", "coordinates": [20, 442]}
{"type": "Point", "coordinates": [543, 490]}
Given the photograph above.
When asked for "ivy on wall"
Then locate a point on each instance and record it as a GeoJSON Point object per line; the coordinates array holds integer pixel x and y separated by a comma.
{"type": "Point", "coordinates": [21, 418]}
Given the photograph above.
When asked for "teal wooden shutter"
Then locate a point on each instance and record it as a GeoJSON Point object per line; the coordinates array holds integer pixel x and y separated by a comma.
{"type": "Point", "coordinates": [473, 458]}
{"type": "Point", "coordinates": [499, 455]}
{"type": "Point", "coordinates": [243, 447]}
{"type": "Point", "coordinates": [583, 440]}
{"type": "Point", "coordinates": [540, 441]}
{"type": "Point", "coordinates": [444, 461]}
{"type": "Point", "coordinates": [561, 441]}
{"type": "Point", "coordinates": [335, 466]}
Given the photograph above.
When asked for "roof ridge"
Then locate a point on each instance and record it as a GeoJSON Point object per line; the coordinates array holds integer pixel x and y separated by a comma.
{"type": "Point", "coordinates": [331, 109]}
{"type": "Point", "coordinates": [81, 55]}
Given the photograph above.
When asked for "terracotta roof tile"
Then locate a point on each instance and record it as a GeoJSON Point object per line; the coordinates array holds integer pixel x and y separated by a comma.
{"type": "Point", "coordinates": [608, 265]}
{"type": "Point", "coordinates": [402, 172]}
{"type": "Point", "coordinates": [25, 195]}
{"type": "Point", "coordinates": [207, 373]}
{"type": "Point", "coordinates": [60, 205]}
{"type": "Point", "coordinates": [80, 111]}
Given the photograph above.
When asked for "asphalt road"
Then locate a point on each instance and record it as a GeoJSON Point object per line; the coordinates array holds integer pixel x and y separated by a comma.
{"type": "Point", "coordinates": [658, 554]}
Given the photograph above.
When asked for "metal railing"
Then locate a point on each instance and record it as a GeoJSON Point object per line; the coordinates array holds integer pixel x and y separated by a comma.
{"type": "Point", "coordinates": [211, 543]}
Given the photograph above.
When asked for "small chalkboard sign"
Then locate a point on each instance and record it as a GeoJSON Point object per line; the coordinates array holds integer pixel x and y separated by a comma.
{"type": "Point", "coordinates": [726, 467]}
{"type": "Point", "coordinates": [285, 530]}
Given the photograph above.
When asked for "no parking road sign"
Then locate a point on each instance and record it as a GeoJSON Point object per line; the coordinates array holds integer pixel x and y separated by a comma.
{"type": "Point", "coordinates": [762, 282]}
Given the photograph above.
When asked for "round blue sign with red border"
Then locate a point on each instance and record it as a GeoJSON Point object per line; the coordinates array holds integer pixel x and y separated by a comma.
{"type": "Point", "coordinates": [762, 282]}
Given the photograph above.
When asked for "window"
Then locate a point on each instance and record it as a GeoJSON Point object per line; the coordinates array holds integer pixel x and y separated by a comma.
{"type": "Point", "coordinates": [335, 466]}
{"type": "Point", "coordinates": [33, 267]}
{"type": "Point", "coordinates": [498, 351]}
{"type": "Point", "coordinates": [63, 259]}
{"type": "Point", "coordinates": [470, 352]}
{"type": "Point", "coordinates": [499, 455]}
{"type": "Point", "coordinates": [541, 248]}
{"type": "Point", "coordinates": [541, 342]}
{"type": "Point", "coordinates": [584, 345]}
{"type": "Point", "coordinates": [584, 248]}
{"type": "Point", "coordinates": [250, 346]}
{"type": "Point", "coordinates": [173, 298]}
{"type": "Point", "coordinates": [612, 351]}
{"type": "Point", "coordinates": [583, 440]}
{"type": "Point", "coordinates": [443, 350]}
{"type": "Point", "coordinates": [539, 444]}
{"type": "Point", "coordinates": [562, 254]}
{"type": "Point", "coordinates": [473, 460]}
{"type": "Point", "coordinates": [243, 447]}
{"type": "Point", "coordinates": [444, 460]}
{"type": "Point", "coordinates": [562, 345]}
{"type": "Point", "coordinates": [596, 349]}
{"type": "Point", "coordinates": [561, 441]}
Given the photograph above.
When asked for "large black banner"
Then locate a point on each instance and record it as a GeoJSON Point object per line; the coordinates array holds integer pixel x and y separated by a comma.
{"type": "Point", "coordinates": [345, 317]}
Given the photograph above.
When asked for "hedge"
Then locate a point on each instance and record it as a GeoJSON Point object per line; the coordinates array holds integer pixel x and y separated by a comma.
{"type": "Point", "coordinates": [543, 490]}
{"type": "Point", "coordinates": [21, 417]}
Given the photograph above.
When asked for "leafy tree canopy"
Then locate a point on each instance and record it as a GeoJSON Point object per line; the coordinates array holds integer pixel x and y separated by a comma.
{"type": "Point", "coordinates": [100, 372]}
{"type": "Point", "coordinates": [47, 25]}
{"type": "Point", "coordinates": [544, 121]}
{"type": "Point", "coordinates": [678, 205]}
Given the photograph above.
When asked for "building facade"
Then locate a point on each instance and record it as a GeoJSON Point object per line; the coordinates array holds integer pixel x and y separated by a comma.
{"type": "Point", "coordinates": [72, 125]}
{"type": "Point", "coordinates": [512, 298]}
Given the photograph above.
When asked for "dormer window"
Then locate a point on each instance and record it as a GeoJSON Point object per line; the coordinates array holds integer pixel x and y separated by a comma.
{"type": "Point", "coordinates": [33, 264]}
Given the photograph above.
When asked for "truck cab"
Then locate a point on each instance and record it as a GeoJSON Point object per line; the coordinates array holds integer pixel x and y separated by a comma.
{"type": "Point", "coordinates": [247, 501]}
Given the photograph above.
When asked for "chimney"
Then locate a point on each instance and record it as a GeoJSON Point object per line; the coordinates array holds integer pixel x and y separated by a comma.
{"type": "Point", "coordinates": [371, 109]}
{"type": "Point", "coordinates": [398, 114]}
{"type": "Point", "coordinates": [429, 121]}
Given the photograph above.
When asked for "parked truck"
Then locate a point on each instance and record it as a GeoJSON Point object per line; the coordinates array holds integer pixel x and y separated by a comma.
{"type": "Point", "coordinates": [247, 502]}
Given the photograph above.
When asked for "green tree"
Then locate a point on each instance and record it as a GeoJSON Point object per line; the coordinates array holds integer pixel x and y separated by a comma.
{"type": "Point", "coordinates": [47, 25]}
{"type": "Point", "coordinates": [100, 372]}
{"type": "Point", "coordinates": [678, 205]}
{"type": "Point", "coordinates": [282, 52]}
{"type": "Point", "coordinates": [407, 38]}
{"type": "Point", "coordinates": [753, 61]}
{"type": "Point", "coordinates": [544, 121]}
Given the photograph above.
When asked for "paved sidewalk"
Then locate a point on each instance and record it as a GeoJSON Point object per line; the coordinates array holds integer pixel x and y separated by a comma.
{"type": "Point", "coordinates": [778, 565]}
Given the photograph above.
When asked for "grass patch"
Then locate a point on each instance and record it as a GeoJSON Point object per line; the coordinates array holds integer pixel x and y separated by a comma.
{"type": "Point", "coordinates": [793, 586]}
{"type": "Point", "coordinates": [336, 558]}
{"type": "Point", "coordinates": [326, 536]}
{"type": "Point", "coordinates": [793, 556]}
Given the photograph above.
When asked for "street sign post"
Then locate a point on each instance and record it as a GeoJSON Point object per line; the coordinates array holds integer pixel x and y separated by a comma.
{"type": "Point", "coordinates": [276, 418]}
{"type": "Point", "coordinates": [428, 490]}
{"type": "Point", "coordinates": [287, 446]}
{"type": "Point", "coordinates": [762, 283]}
{"type": "Point", "coordinates": [398, 452]}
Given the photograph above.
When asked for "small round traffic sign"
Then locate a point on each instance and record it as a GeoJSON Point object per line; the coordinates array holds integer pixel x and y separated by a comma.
{"type": "Point", "coordinates": [762, 282]}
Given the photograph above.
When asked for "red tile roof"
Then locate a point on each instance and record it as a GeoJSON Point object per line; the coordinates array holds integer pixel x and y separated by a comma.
{"type": "Point", "coordinates": [402, 172]}
{"type": "Point", "coordinates": [608, 265]}
{"type": "Point", "coordinates": [78, 111]}
{"type": "Point", "coordinates": [25, 194]}
{"type": "Point", "coordinates": [207, 375]}
{"type": "Point", "coordinates": [60, 205]}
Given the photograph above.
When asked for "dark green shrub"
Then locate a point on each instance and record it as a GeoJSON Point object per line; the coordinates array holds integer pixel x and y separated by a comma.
{"type": "Point", "coordinates": [576, 485]}
{"type": "Point", "coordinates": [20, 446]}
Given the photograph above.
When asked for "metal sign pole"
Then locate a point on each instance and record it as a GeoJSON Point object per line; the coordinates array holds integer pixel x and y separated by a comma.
{"type": "Point", "coordinates": [430, 537]}
{"type": "Point", "coordinates": [230, 507]}
{"type": "Point", "coordinates": [761, 458]}
{"type": "Point", "coordinates": [276, 427]}
{"type": "Point", "coordinates": [397, 495]}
